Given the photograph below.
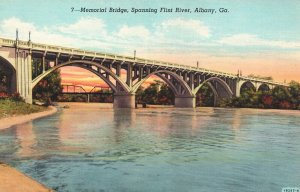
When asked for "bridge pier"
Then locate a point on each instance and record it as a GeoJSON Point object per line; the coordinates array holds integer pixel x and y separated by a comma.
{"type": "Point", "coordinates": [124, 101]}
{"type": "Point", "coordinates": [23, 65]}
{"type": "Point", "coordinates": [185, 102]}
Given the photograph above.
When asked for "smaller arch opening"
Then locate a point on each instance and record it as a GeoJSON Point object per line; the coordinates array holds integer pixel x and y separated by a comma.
{"type": "Point", "coordinates": [247, 87]}
{"type": "Point", "coordinates": [218, 91]}
{"type": "Point", "coordinates": [7, 77]}
{"type": "Point", "coordinates": [264, 88]}
{"type": "Point", "coordinates": [73, 84]}
{"type": "Point", "coordinates": [174, 81]}
{"type": "Point", "coordinates": [205, 97]}
{"type": "Point", "coordinates": [155, 91]}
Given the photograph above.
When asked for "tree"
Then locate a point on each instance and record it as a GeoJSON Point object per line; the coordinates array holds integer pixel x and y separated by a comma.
{"type": "Point", "coordinates": [139, 94]}
{"type": "Point", "coordinates": [294, 89]}
{"type": "Point", "coordinates": [36, 67]}
{"type": "Point", "coordinates": [3, 83]}
{"type": "Point", "coordinates": [281, 97]}
{"type": "Point", "coordinates": [165, 95]}
{"type": "Point", "coordinates": [150, 93]}
{"type": "Point", "coordinates": [156, 93]}
{"type": "Point", "coordinates": [48, 88]}
{"type": "Point", "coordinates": [205, 96]}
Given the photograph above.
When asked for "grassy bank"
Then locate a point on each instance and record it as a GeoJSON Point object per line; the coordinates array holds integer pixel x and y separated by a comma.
{"type": "Point", "coordinates": [10, 108]}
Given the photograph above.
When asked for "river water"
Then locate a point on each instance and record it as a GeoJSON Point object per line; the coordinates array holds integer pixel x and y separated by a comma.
{"type": "Point", "coordinates": [165, 149]}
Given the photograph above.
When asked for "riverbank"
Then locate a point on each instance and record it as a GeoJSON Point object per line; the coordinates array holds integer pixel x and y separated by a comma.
{"type": "Point", "coordinates": [19, 119]}
{"type": "Point", "coordinates": [12, 113]}
{"type": "Point", "coordinates": [14, 181]}
{"type": "Point", "coordinates": [14, 107]}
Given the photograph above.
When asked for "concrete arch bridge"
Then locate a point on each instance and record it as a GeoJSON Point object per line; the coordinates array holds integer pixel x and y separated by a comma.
{"type": "Point", "coordinates": [20, 58]}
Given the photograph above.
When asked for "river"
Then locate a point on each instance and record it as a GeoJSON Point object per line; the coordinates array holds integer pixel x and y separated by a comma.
{"type": "Point", "coordinates": [162, 149]}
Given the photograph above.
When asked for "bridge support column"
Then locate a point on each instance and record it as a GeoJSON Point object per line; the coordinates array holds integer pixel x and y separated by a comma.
{"type": "Point", "coordinates": [24, 75]}
{"type": "Point", "coordinates": [88, 98]}
{"type": "Point", "coordinates": [238, 88]}
{"type": "Point", "coordinates": [185, 102]}
{"type": "Point", "coordinates": [124, 101]}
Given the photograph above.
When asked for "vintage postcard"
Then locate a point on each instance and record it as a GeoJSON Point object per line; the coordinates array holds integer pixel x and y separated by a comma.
{"type": "Point", "coordinates": [160, 95]}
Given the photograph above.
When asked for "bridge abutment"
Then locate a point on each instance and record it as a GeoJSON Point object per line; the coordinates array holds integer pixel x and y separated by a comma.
{"type": "Point", "coordinates": [185, 102]}
{"type": "Point", "coordinates": [124, 101]}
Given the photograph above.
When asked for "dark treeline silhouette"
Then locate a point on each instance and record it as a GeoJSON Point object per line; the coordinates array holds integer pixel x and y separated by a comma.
{"type": "Point", "coordinates": [99, 97]}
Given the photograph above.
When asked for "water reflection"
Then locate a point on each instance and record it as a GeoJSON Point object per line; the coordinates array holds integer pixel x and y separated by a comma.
{"type": "Point", "coordinates": [27, 140]}
{"type": "Point", "coordinates": [124, 120]}
{"type": "Point", "coordinates": [86, 149]}
{"type": "Point", "coordinates": [236, 120]}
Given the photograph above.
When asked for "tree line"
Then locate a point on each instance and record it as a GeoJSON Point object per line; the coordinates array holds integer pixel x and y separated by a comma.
{"type": "Point", "coordinates": [278, 98]}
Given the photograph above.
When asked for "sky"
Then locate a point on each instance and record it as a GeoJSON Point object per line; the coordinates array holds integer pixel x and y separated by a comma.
{"type": "Point", "coordinates": [256, 37]}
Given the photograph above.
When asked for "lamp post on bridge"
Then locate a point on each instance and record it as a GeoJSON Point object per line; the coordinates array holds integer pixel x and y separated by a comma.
{"type": "Point", "coordinates": [17, 34]}
{"type": "Point", "coordinates": [134, 54]}
{"type": "Point", "coordinates": [17, 37]}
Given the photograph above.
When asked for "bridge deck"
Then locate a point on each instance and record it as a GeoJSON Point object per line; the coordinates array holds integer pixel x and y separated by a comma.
{"type": "Point", "coordinates": [99, 55]}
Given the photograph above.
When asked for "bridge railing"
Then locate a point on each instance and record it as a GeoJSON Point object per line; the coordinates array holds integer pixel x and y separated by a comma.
{"type": "Point", "coordinates": [72, 51]}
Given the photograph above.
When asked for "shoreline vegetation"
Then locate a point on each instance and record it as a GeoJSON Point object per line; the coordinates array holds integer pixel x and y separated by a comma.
{"type": "Point", "coordinates": [158, 93]}
{"type": "Point", "coordinates": [10, 107]}
{"type": "Point", "coordinates": [17, 112]}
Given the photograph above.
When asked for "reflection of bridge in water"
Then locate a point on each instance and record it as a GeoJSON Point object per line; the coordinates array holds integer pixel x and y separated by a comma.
{"type": "Point", "coordinates": [28, 63]}
{"type": "Point", "coordinates": [79, 90]}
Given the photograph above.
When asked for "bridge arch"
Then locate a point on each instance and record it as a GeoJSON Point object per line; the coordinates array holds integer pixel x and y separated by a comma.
{"type": "Point", "coordinates": [80, 64]}
{"type": "Point", "coordinates": [263, 87]}
{"type": "Point", "coordinates": [162, 74]}
{"type": "Point", "coordinates": [222, 91]}
{"type": "Point", "coordinates": [247, 85]}
{"type": "Point", "coordinates": [8, 75]}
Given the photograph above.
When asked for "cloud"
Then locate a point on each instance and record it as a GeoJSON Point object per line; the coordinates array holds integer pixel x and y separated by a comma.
{"type": "Point", "coordinates": [86, 26]}
{"type": "Point", "coordinates": [9, 26]}
{"type": "Point", "coordinates": [189, 25]}
{"type": "Point", "coordinates": [14, 23]}
{"type": "Point", "coordinates": [86, 33]}
{"type": "Point", "coordinates": [38, 34]}
{"type": "Point", "coordinates": [253, 40]}
{"type": "Point", "coordinates": [94, 34]}
{"type": "Point", "coordinates": [134, 31]}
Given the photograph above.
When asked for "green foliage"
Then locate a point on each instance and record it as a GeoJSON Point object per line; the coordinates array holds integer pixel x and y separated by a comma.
{"type": "Point", "coordinates": [37, 67]}
{"type": "Point", "coordinates": [48, 88]}
{"type": "Point", "coordinates": [106, 97]}
{"type": "Point", "coordinates": [278, 98]}
{"type": "Point", "coordinates": [9, 107]}
{"type": "Point", "coordinates": [3, 83]}
{"type": "Point", "coordinates": [150, 93]}
{"type": "Point", "coordinates": [165, 95]}
{"type": "Point", "coordinates": [156, 93]}
{"type": "Point", "coordinates": [205, 96]}
{"type": "Point", "coordinates": [294, 90]}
